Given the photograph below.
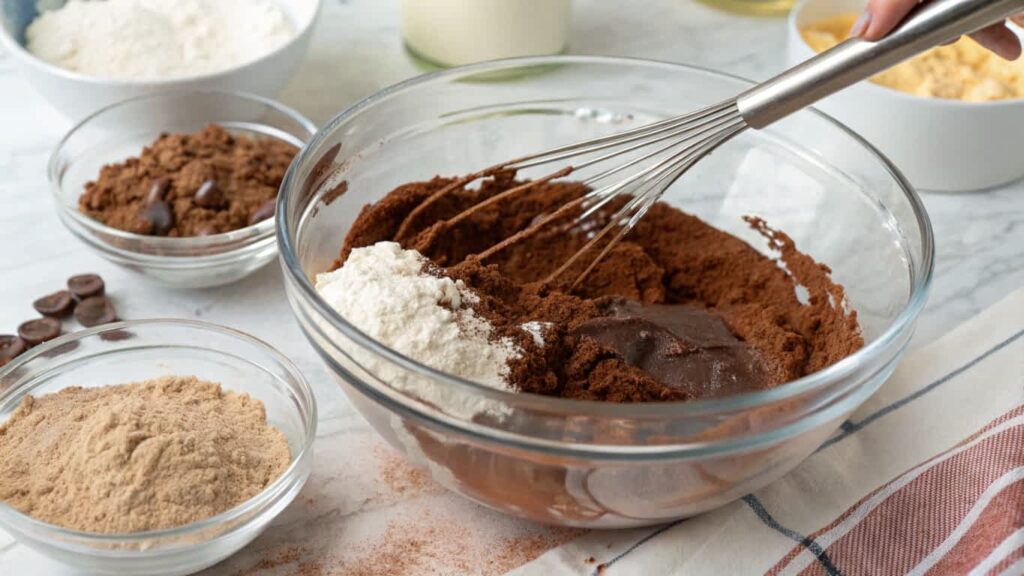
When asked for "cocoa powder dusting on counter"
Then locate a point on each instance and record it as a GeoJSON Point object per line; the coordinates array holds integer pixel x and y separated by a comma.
{"type": "Point", "coordinates": [281, 558]}
{"type": "Point", "coordinates": [401, 478]}
{"type": "Point", "coordinates": [407, 548]}
{"type": "Point", "coordinates": [516, 551]}
{"type": "Point", "coordinates": [199, 184]}
{"type": "Point", "coordinates": [670, 258]}
{"type": "Point", "coordinates": [442, 545]}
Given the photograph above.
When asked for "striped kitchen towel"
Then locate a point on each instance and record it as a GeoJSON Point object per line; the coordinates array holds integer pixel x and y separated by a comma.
{"type": "Point", "coordinates": [926, 478]}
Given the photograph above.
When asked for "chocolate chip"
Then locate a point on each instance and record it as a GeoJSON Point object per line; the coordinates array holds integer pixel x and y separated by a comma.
{"type": "Point", "coordinates": [10, 347]}
{"type": "Point", "coordinates": [210, 196]}
{"type": "Point", "coordinates": [84, 286]}
{"type": "Point", "coordinates": [159, 217]}
{"type": "Point", "coordinates": [266, 210]}
{"type": "Point", "coordinates": [157, 191]}
{"type": "Point", "coordinates": [62, 349]}
{"type": "Point", "coordinates": [38, 331]}
{"type": "Point", "coordinates": [95, 311]}
{"type": "Point", "coordinates": [56, 305]}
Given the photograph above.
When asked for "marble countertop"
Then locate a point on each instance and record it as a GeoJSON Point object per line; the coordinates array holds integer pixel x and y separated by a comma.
{"type": "Point", "coordinates": [357, 50]}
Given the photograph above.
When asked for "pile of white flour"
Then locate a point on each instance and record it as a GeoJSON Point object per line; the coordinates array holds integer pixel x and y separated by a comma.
{"type": "Point", "coordinates": [385, 291]}
{"type": "Point", "coordinates": [151, 39]}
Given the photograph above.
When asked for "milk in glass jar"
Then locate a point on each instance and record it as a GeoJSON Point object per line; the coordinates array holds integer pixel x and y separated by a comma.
{"type": "Point", "coordinates": [455, 32]}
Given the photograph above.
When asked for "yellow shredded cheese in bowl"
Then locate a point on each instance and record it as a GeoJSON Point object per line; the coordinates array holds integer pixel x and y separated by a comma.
{"type": "Point", "coordinates": [963, 70]}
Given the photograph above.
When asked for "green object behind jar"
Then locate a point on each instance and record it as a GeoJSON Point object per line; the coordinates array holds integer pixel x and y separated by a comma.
{"type": "Point", "coordinates": [754, 7]}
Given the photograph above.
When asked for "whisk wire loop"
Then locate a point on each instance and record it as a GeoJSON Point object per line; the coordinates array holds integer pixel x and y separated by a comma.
{"type": "Point", "coordinates": [644, 189]}
{"type": "Point", "coordinates": [663, 151]}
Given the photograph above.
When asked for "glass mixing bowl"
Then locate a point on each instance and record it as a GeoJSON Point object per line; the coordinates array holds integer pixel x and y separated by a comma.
{"type": "Point", "coordinates": [592, 464]}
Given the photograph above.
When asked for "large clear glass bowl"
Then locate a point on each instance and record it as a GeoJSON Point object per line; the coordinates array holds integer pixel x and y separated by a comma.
{"type": "Point", "coordinates": [591, 464]}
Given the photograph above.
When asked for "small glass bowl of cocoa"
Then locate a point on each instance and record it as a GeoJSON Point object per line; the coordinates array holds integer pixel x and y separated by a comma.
{"type": "Point", "coordinates": [134, 352]}
{"type": "Point", "coordinates": [178, 186]}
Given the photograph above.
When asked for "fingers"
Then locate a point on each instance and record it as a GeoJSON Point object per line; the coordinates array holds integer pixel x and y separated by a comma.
{"type": "Point", "coordinates": [880, 17]}
{"type": "Point", "coordinates": [999, 39]}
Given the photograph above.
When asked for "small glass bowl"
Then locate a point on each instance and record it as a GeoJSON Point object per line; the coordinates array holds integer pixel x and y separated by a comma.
{"type": "Point", "coordinates": [140, 350]}
{"type": "Point", "coordinates": [120, 131]}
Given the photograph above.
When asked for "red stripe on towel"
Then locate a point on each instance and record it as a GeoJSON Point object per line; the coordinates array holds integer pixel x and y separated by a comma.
{"type": "Point", "coordinates": [896, 527]}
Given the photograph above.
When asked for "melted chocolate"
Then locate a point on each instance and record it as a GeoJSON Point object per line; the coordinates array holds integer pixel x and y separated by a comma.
{"type": "Point", "coordinates": [685, 347]}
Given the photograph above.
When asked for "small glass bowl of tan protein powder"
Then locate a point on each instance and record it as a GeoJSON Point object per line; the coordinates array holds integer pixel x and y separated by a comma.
{"type": "Point", "coordinates": [236, 417]}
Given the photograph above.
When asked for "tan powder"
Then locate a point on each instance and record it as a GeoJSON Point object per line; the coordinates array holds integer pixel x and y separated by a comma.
{"type": "Point", "coordinates": [137, 457]}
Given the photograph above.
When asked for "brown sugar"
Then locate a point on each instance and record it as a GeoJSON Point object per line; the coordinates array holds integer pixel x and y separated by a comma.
{"type": "Point", "coordinates": [670, 258]}
{"type": "Point", "coordinates": [199, 184]}
{"type": "Point", "coordinates": [137, 457]}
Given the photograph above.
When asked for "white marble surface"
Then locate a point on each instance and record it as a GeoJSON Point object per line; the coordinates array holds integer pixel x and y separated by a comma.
{"type": "Point", "coordinates": [356, 50]}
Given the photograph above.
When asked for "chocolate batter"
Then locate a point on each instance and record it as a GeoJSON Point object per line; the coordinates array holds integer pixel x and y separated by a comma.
{"type": "Point", "coordinates": [679, 310]}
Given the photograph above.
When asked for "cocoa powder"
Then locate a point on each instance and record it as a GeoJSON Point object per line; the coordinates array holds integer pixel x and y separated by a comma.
{"type": "Point", "coordinates": [670, 258]}
{"type": "Point", "coordinates": [199, 184]}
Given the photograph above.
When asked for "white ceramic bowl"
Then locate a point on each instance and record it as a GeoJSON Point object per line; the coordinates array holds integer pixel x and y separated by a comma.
{"type": "Point", "coordinates": [77, 95]}
{"type": "Point", "coordinates": [939, 144]}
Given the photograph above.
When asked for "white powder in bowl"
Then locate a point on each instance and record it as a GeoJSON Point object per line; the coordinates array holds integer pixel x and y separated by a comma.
{"type": "Point", "coordinates": [153, 39]}
{"type": "Point", "coordinates": [386, 292]}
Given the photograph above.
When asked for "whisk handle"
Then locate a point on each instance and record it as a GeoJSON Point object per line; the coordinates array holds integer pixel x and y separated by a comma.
{"type": "Point", "coordinates": [853, 60]}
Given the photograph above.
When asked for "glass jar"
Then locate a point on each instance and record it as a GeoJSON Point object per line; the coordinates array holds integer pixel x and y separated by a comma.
{"type": "Point", "coordinates": [455, 32]}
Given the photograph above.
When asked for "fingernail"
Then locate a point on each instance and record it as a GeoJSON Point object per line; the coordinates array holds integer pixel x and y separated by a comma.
{"type": "Point", "coordinates": [1011, 53]}
{"type": "Point", "coordinates": [861, 25]}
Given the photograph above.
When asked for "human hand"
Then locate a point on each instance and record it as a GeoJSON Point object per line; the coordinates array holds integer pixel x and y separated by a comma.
{"type": "Point", "coordinates": [881, 16]}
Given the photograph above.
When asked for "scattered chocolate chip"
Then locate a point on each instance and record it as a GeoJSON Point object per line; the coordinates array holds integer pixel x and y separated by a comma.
{"type": "Point", "coordinates": [95, 311]}
{"type": "Point", "coordinates": [56, 305]}
{"type": "Point", "coordinates": [38, 331]}
{"type": "Point", "coordinates": [84, 286]}
{"type": "Point", "coordinates": [158, 191]}
{"type": "Point", "coordinates": [62, 349]}
{"type": "Point", "coordinates": [159, 216]}
{"type": "Point", "coordinates": [116, 335]}
{"type": "Point", "coordinates": [266, 210]}
{"type": "Point", "coordinates": [10, 347]}
{"type": "Point", "coordinates": [210, 196]}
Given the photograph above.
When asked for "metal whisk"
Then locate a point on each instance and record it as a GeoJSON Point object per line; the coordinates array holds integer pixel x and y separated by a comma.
{"type": "Point", "coordinates": [645, 161]}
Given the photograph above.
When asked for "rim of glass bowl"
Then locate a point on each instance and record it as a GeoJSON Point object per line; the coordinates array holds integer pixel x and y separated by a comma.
{"type": "Point", "coordinates": [18, 49]}
{"type": "Point", "coordinates": [920, 278]}
{"type": "Point", "coordinates": [174, 248]}
{"type": "Point", "coordinates": [81, 540]}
